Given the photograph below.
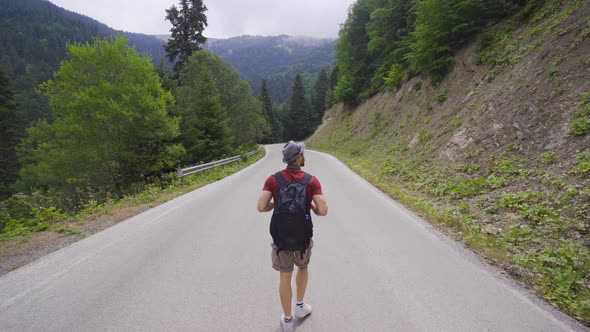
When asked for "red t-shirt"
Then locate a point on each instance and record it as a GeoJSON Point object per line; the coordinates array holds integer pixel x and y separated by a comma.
{"type": "Point", "coordinates": [313, 187]}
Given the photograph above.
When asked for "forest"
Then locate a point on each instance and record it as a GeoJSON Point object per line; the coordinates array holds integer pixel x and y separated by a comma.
{"type": "Point", "coordinates": [86, 118]}
{"type": "Point", "coordinates": [384, 42]}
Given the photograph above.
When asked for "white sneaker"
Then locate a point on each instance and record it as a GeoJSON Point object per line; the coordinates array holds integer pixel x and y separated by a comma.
{"type": "Point", "coordinates": [301, 312]}
{"type": "Point", "coordinates": [287, 327]}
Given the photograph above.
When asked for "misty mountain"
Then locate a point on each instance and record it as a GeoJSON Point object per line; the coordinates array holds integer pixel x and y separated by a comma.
{"type": "Point", "coordinates": [33, 38]}
{"type": "Point", "coordinates": [277, 59]}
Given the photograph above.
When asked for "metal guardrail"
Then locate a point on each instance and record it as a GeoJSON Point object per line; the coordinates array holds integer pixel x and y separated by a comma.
{"type": "Point", "coordinates": [182, 172]}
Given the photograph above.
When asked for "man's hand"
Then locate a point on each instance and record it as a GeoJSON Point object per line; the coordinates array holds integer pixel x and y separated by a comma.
{"type": "Point", "coordinates": [319, 205]}
{"type": "Point", "coordinates": [265, 203]}
{"type": "Point", "coordinates": [314, 208]}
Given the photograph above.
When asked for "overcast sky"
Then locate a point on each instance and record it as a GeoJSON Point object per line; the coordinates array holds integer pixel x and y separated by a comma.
{"type": "Point", "coordinates": [227, 18]}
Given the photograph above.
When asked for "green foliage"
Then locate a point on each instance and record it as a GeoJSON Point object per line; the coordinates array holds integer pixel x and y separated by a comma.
{"type": "Point", "coordinates": [344, 90]}
{"type": "Point", "coordinates": [383, 41]}
{"type": "Point", "coordinates": [276, 59]}
{"type": "Point", "coordinates": [469, 168]}
{"type": "Point", "coordinates": [527, 204]}
{"type": "Point", "coordinates": [352, 53]}
{"type": "Point", "coordinates": [425, 136]}
{"type": "Point", "coordinates": [332, 82]}
{"type": "Point", "coordinates": [581, 123]}
{"type": "Point", "coordinates": [111, 123]}
{"type": "Point", "coordinates": [300, 119]}
{"type": "Point", "coordinates": [441, 96]}
{"type": "Point", "coordinates": [38, 220]}
{"type": "Point", "coordinates": [516, 201]}
{"type": "Point", "coordinates": [494, 181]}
{"type": "Point", "coordinates": [204, 126]}
{"type": "Point", "coordinates": [276, 131]}
{"type": "Point", "coordinates": [563, 270]}
{"type": "Point", "coordinates": [462, 187]}
{"type": "Point", "coordinates": [33, 39]}
{"type": "Point", "coordinates": [188, 23]}
{"type": "Point", "coordinates": [395, 76]}
{"type": "Point", "coordinates": [583, 167]}
{"type": "Point", "coordinates": [9, 124]}
{"type": "Point", "coordinates": [246, 118]}
{"type": "Point", "coordinates": [547, 158]}
{"type": "Point", "coordinates": [25, 215]}
{"type": "Point", "coordinates": [319, 98]}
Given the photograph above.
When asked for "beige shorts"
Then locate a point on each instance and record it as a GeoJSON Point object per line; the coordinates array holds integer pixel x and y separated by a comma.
{"type": "Point", "coordinates": [284, 261]}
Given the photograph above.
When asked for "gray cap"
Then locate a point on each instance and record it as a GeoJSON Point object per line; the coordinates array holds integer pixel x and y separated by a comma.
{"type": "Point", "coordinates": [292, 150]}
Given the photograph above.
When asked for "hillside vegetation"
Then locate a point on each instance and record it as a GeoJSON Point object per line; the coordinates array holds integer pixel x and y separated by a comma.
{"type": "Point", "coordinates": [490, 143]}
{"type": "Point", "coordinates": [276, 59]}
{"type": "Point", "coordinates": [115, 124]}
{"type": "Point", "coordinates": [33, 37]}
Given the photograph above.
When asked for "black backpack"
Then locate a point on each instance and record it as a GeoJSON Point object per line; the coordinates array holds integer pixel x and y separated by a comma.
{"type": "Point", "coordinates": [291, 227]}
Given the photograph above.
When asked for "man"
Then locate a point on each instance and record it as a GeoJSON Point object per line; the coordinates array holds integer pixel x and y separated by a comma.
{"type": "Point", "coordinates": [291, 226]}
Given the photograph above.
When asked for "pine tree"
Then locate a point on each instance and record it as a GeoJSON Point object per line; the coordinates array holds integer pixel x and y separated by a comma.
{"type": "Point", "coordinates": [188, 23]}
{"type": "Point", "coordinates": [319, 98]}
{"type": "Point", "coordinates": [330, 97]}
{"type": "Point", "coordinates": [270, 115]}
{"type": "Point", "coordinates": [299, 115]}
{"type": "Point", "coordinates": [204, 125]}
{"type": "Point", "coordinates": [9, 125]}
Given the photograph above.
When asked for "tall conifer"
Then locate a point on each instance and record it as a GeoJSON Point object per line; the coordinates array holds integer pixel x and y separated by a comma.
{"type": "Point", "coordinates": [204, 128]}
{"type": "Point", "coordinates": [188, 23]}
{"type": "Point", "coordinates": [270, 115]}
{"type": "Point", "coordinates": [299, 115]}
{"type": "Point", "coordinates": [319, 98]}
{"type": "Point", "coordinates": [9, 125]}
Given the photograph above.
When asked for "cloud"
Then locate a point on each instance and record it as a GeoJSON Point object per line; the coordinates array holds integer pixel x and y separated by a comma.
{"type": "Point", "coordinates": [227, 18]}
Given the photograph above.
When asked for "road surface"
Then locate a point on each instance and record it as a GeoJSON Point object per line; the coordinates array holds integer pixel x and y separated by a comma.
{"type": "Point", "coordinates": [202, 263]}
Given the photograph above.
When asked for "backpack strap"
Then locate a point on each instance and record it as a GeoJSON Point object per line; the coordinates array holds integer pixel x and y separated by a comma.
{"type": "Point", "coordinates": [280, 179]}
{"type": "Point", "coordinates": [305, 181]}
{"type": "Point", "coordinates": [306, 178]}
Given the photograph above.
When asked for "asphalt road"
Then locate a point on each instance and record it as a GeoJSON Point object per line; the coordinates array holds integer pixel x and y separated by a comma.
{"type": "Point", "coordinates": [202, 263]}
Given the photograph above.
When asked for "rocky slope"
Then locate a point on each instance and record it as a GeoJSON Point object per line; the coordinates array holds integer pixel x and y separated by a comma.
{"type": "Point", "coordinates": [498, 153]}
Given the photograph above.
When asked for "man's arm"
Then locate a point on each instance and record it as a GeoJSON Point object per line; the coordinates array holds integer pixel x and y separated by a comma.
{"type": "Point", "coordinates": [319, 205]}
{"type": "Point", "coordinates": [264, 202]}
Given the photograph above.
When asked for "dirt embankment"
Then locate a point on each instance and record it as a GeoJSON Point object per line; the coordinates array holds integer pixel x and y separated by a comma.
{"type": "Point", "coordinates": [490, 153]}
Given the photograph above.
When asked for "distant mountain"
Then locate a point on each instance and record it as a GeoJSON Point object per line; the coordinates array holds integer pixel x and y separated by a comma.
{"type": "Point", "coordinates": [277, 59]}
{"type": "Point", "coordinates": [33, 37]}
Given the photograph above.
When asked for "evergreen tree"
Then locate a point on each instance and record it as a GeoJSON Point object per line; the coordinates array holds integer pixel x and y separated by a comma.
{"type": "Point", "coordinates": [271, 117]}
{"type": "Point", "coordinates": [111, 126]}
{"type": "Point", "coordinates": [319, 98]}
{"type": "Point", "coordinates": [204, 125]}
{"type": "Point", "coordinates": [188, 23]}
{"type": "Point", "coordinates": [330, 96]}
{"type": "Point", "coordinates": [299, 114]}
{"type": "Point", "coordinates": [247, 122]}
{"type": "Point", "coordinates": [354, 60]}
{"type": "Point", "coordinates": [9, 126]}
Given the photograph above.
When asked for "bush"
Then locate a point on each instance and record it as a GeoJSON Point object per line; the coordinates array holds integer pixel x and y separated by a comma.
{"type": "Point", "coordinates": [395, 76]}
{"type": "Point", "coordinates": [547, 158]}
{"type": "Point", "coordinates": [581, 123]}
{"type": "Point", "coordinates": [39, 220]}
{"type": "Point", "coordinates": [583, 167]}
{"type": "Point", "coordinates": [441, 96]}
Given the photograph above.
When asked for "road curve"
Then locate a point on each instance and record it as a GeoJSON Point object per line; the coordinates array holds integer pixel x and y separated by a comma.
{"type": "Point", "coordinates": [202, 263]}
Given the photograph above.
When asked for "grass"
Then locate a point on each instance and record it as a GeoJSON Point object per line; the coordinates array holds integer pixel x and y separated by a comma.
{"type": "Point", "coordinates": [510, 207]}
{"type": "Point", "coordinates": [51, 219]}
{"type": "Point", "coordinates": [535, 230]}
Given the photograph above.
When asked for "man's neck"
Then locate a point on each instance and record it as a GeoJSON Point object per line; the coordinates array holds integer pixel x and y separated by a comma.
{"type": "Point", "coordinates": [293, 166]}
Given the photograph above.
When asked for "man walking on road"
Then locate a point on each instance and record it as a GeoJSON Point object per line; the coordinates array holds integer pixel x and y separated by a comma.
{"type": "Point", "coordinates": [292, 194]}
